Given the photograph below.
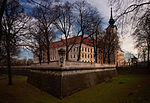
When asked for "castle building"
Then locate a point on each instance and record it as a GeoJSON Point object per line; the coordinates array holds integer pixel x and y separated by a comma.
{"type": "Point", "coordinates": [87, 48]}
{"type": "Point", "coordinates": [86, 54]}
{"type": "Point", "coordinates": [114, 54]}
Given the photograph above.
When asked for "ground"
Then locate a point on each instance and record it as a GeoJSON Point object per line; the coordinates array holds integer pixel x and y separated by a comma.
{"type": "Point", "coordinates": [127, 88]}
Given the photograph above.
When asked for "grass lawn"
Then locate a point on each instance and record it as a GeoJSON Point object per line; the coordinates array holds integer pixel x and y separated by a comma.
{"type": "Point", "coordinates": [122, 89]}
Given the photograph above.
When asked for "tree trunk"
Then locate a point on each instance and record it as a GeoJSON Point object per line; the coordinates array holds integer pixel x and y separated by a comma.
{"type": "Point", "coordinates": [104, 58]}
{"type": "Point", "coordinates": [67, 51]}
{"type": "Point", "coordinates": [108, 58]}
{"type": "Point", "coordinates": [114, 57]}
{"type": "Point", "coordinates": [2, 9]}
{"type": "Point", "coordinates": [95, 54]}
{"type": "Point", "coordinates": [48, 54]}
{"type": "Point", "coordinates": [148, 59]}
{"type": "Point", "coordinates": [144, 56]}
{"type": "Point", "coordinates": [79, 52]}
{"type": "Point", "coordinates": [48, 48]}
{"type": "Point", "coordinates": [8, 60]}
{"type": "Point", "coordinates": [40, 56]}
{"type": "Point", "coordinates": [80, 49]}
{"type": "Point", "coordinates": [82, 29]}
{"type": "Point", "coordinates": [96, 49]}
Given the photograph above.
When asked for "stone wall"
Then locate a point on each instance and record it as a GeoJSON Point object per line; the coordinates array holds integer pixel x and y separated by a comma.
{"type": "Point", "coordinates": [48, 81]}
{"type": "Point", "coordinates": [76, 64]}
{"type": "Point", "coordinates": [62, 83]}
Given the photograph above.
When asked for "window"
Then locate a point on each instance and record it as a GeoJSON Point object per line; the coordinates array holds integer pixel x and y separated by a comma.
{"type": "Point", "coordinates": [91, 50]}
{"type": "Point", "coordinates": [74, 49]}
{"type": "Point", "coordinates": [82, 49]}
{"type": "Point", "coordinates": [71, 56]}
{"type": "Point", "coordinates": [85, 49]}
{"type": "Point", "coordinates": [82, 55]}
{"type": "Point", "coordinates": [88, 56]}
{"type": "Point", "coordinates": [91, 56]}
{"type": "Point", "coordinates": [71, 49]}
{"type": "Point", "coordinates": [85, 55]}
{"type": "Point", "coordinates": [88, 50]}
{"type": "Point", "coordinates": [77, 49]}
{"type": "Point", "coordinates": [78, 54]}
{"type": "Point", "coordinates": [74, 53]}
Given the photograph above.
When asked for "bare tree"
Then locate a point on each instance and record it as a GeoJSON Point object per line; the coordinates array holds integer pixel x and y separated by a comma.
{"type": "Point", "coordinates": [2, 9]}
{"type": "Point", "coordinates": [142, 34]}
{"type": "Point", "coordinates": [102, 47]}
{"type": "Point", "coordinates": [110, 41]}
{"type": "Point", "coordinates": [128, 13]}
{"type": "Point", "coordinates": [94, 29]}
{"type": "Point", "coordinates": [34, 40]}
{"type": "Point", "coordinates": [132, 12]}
{"type": "Point", "coordinates": [64, 23]}
{"type": "Point", "coordinates": [46, 16]}
{"type": "Point", "coordinates": [142, 51]}
{"type": "Point", "coordinates": [13, 23]}
{"type": "Point", "coordinates": [82, 10]}
{"type": "Point", "coordinates": [124, 8]}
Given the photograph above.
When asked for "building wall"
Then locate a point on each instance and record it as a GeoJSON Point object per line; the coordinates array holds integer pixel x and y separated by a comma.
{"type": "Point", "coordinates": [99, 57]}
{"type": "Point", "coordinates": [87, 55]}
{"type": "Point", "coordinates": [120, 58]}
{"type": "Point", "coordinates": [73, 53]}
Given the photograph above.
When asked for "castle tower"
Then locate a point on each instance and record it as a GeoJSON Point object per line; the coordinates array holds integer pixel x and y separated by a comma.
{"type": "Point", "coordinates": [111, 20]}
{"type": "Point", "coordinates": [111, 28]}
{"type": "Point", "coordinates": [112, 41]}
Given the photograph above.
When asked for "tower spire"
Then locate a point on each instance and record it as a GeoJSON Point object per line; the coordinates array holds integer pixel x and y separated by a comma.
{"type": "Point", "coordinates": [111, 14]}
{"type": "Point", "coordinates": [111, 20]}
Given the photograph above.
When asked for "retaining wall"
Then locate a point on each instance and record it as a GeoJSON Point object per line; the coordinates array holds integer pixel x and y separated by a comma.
{"type": "Point", "coordinates": [62, 83]}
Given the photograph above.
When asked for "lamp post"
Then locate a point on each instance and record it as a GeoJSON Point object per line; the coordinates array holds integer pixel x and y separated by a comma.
{"type": "Point", "coordinates": [61, 53]}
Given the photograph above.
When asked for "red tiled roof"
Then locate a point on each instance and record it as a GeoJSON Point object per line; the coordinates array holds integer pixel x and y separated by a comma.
{"type": "Point", "coordinates": [76, 40]}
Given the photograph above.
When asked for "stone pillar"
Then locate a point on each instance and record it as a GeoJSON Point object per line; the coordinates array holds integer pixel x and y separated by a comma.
{"type": "Point", "coordinates": [61, 53]}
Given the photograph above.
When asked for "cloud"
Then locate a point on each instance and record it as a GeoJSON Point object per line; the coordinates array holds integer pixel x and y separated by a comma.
{"type": "Point", "coordinates": [102, 6]}
{"type": "Point", "coordinates": [127, 41]}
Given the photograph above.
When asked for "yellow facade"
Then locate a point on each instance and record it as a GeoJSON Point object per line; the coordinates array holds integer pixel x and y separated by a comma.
{"type": "Point", "coordinates": [87, 53]}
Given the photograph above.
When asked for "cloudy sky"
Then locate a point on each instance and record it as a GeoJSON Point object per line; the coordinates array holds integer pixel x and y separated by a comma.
{"type": "Point", "coordinates": [126, 41]}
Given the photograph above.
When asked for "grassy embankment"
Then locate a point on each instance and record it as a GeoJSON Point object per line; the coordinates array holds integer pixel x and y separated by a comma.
{"type": "Point", "coordinates": [122, 89]}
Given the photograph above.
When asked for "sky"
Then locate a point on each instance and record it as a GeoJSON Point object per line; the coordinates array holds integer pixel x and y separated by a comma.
{"type": "Point", "coordinates": [126, 40]}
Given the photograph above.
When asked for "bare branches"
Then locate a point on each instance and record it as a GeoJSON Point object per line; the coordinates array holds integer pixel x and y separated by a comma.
{"type": "Point", "coordinates": [13, 24]}
{"type": "Point", "coordinates": [132, 8]}
{"type": "Point", "coordinates": [142, 35]}
{"type": "Point", "coordinates": [46, 15]}
{"type": "Point", "coordinates": [2, 9]}
{"type": "Point", "coordinates": [64, 22]}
